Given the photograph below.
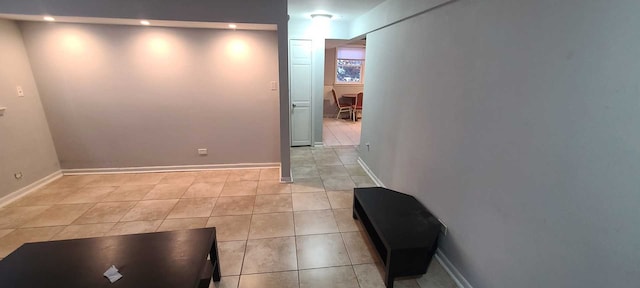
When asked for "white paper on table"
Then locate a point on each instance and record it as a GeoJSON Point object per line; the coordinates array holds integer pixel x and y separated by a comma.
{"type": "Point", "coordinates": [112, 274]}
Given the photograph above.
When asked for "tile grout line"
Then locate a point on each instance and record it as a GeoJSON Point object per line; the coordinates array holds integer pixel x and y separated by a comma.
{"type": "Point", "coordinates": [295, 242]}
{"type": "Point", "coordinates": [353, 267]}
{"type": "Point", "coordinates": [165, 218]}
{"type": "Point", "coordinates": [246, 245]}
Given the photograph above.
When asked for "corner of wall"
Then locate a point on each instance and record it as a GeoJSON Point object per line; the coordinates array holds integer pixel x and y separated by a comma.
{"type": "Point", "coordinates": [390, 12]}
{"type": "Point", "coordinates": [30, 151]}
{"type": "Point", "coordinates": [13, 196]}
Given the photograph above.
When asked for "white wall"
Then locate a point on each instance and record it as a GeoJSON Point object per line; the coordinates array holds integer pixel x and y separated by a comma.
{"type": "Point", "coordinates": [303, 29]}
{"type": "Point", "coordinates": [25, 141]}
{"type": "Point", "coordinates": [517, 123]}
{"type": "Point", "coordinates": [129, 96]}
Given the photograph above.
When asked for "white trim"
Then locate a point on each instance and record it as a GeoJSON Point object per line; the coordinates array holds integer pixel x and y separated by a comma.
{"type": "Point", "coordinates": [457, 277]}
{"type": "Point", "coordinates": [13, 196]}
{"type": "Point", "coordinates": [179, 168]}
{"type": "Point", "coordinates": [318, 144]}
{"type": "Point", "coordinates": [286, 179]}
{"type": "Point", "coordinates": [373, 176]}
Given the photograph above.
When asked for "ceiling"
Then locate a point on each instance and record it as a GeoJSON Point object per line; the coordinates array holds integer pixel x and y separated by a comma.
{"type": "Point", "coordinates": [136, 22]}
{"type": "Point", "coordinates": [341, 9]}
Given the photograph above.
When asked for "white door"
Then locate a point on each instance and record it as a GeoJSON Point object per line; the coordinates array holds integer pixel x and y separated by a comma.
{"type": "Point", "coordinates": [300, 89]}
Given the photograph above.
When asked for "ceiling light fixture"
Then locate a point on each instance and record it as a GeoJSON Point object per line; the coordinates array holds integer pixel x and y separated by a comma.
{"type": "Point", "coordinates": [321, 15]}
{"type": "Point", "coordinates": [49, 18]}
{"type": "Point", "coordinates": [145, 22]}
{"type": "Point", "coordinates": [233, 26]}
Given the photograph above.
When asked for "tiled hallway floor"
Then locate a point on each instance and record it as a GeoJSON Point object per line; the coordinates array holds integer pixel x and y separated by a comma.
{"type": "Point", "coordinates": [340, 132]}
{"type": "Point", "coordinates": [270, 234]}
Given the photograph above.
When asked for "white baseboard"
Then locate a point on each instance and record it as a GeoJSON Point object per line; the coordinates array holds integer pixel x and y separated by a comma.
{"type": "Point", "coordinates": [370, 173]}
{"type": "Point", "coordinates": [179, 168]}
{"type": "Point", "coordinates": [457, 277]}
{"type": "Point", "coordinates": [318, 144]}
{"type": "Point", "coordinates": [287, 179]}
{"type": "Point", "coordinates": [13, 196]}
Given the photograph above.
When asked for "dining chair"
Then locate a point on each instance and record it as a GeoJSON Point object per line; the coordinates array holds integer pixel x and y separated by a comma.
{"type": "Point", "coordinates": [357, 106]}
{"type": "Point", "coordinates": [342, 107]}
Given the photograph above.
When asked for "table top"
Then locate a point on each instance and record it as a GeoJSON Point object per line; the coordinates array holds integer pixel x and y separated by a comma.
{"type": "Point", "coordinates": [165, 259]}
{"type": "Point", "coordinates": [399, 219]}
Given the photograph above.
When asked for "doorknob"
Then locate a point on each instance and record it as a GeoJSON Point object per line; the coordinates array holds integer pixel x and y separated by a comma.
{"type": "Point", "coordinates": [294, 105]}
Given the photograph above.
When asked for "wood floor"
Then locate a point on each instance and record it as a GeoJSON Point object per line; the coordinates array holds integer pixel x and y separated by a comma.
{"type": "Point", "coordinates": [340, 132]}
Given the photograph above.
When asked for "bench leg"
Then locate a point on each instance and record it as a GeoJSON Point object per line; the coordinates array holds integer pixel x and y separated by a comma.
{"type": "Point", "coordinates": [215, 261]}
{"type": "Point", "coordinates": [216, 273]}
{"type": "Point", "coordinates": [353, 210]}
{"type": "Point", "coordinates": [388, 281]}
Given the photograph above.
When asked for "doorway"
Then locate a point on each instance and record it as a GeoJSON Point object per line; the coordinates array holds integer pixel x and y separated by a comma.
{"type": "Point", "coordinates": [344, 75]}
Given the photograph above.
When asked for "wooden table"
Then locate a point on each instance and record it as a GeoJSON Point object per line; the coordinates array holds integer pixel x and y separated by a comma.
{"type": "Point", "coordinates": [167, 259]}
{"type": "Point", "coordinates": [404, 232]}
{"type": "Point", "coordinates": [351, 96]}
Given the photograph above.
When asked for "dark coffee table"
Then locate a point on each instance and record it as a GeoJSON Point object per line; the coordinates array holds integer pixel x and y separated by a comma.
{"type": "Point", "coordinates": [165, 259]}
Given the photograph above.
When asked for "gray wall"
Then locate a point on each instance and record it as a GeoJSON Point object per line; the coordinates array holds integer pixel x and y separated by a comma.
{"type": "Point", "coordinates": [246, 11]}
{"type": "Point", "coordinates": [129, 96]}
{"type": "Point", "coordinates": [517, 123]}
{"type": "Point", "coordinates": [329, 66]}
{"type": "Point", "coordinates": [317, 86]}
{"type": "Point", "coordinates": [25, 141]}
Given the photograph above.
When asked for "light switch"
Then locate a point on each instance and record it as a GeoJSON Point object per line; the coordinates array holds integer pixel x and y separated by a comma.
{"type": "Point", "coordinates": [274, 85]}
{"type": "Point", "coordinates": [2, 110]}
{"type": "Point", "coordinates": [19, 91]}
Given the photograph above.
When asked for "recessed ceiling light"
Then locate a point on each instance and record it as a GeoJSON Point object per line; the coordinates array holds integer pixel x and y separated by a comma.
{"type": "Point", "coordinates": [145, 22]}
{"type": "Point", "coordinates": [49, 18]}
{"type": "Point", "coordinates": [233, 26]}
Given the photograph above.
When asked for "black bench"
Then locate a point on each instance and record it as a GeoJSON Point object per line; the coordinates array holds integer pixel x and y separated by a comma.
{"type": "Point", "coordinates": [404, 232]}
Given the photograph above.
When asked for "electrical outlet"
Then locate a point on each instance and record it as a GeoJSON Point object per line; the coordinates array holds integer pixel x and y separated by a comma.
{"type": "Point", "coordinates": [19, 91]}
{"type": "Point", "coordinates": [18, 175]}
{"type": "Point", "coordinates": [203, 151]}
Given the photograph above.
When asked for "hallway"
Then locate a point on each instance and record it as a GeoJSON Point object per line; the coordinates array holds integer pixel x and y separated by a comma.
{"type": "Point", "coordinates": [340, 132]}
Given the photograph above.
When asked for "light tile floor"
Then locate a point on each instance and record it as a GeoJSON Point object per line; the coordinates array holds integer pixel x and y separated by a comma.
{"type": "Point", "coordinates": [340, 132]}
{"type": "Point", "coordinates": [270, 234]}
